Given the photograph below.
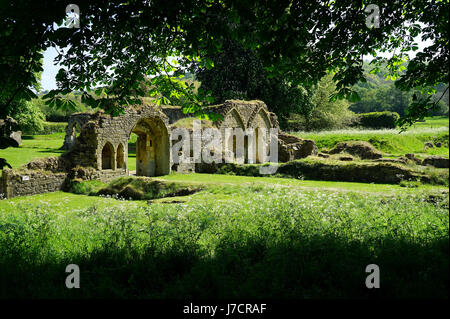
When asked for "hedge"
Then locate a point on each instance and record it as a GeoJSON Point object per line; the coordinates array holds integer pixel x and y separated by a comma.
{"type": "Point", "coordinates": [378, 120]}
{"type": "Point", "coordinates": [48, 128]}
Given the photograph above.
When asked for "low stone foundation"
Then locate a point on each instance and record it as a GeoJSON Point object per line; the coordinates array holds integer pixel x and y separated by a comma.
{"type": "Point", "coordinates": [30, 182]}
{"type": "Point", "coordinates": [90, 173]}
{"type": "Point", "coordinates": [23, 182]}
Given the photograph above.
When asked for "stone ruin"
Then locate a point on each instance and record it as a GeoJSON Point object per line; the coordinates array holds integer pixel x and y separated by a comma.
{"type": "Point", "coordinates": [97, 145]}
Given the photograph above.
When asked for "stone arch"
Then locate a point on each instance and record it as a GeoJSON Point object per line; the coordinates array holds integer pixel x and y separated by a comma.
{"type": "Point", "coordinates": [73, 130]}
{"type": "Point", "coordinates": [234, 119]}
{"type": "Point", "coordinates": [152, 146]}
{"type": "Point", "coordinates": [120, 157]}
{"type": "Point", "coordinates": [259, 116]}
{"type": "Point", "coordinates": [108, 159]}
{"type": "Point", "coordinates": [261, 119]}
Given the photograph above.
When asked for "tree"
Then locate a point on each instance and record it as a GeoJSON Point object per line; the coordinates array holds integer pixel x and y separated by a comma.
{"type": "Point", "coordinates": [323, 113]}
{"type": "Point", "coordinates": [238, 73]}
{"type": "Point", "coordinates": [119, 44]}
{"type": "Point", "coordinates": [328, 114]}
{"type": "Point", "coordinates": [383, 98]}
{"type": "Point", "coordinates": [29, 116]}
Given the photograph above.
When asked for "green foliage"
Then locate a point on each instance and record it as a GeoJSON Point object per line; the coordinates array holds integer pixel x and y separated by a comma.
{"type": "Point", "coordinates": [295, 41]}
{"type": "Point", "coordinates": [382, 98]}
{"type": "Point", "coordinates": [29, 117]}
{"type": "Point", "coordinates": [49, 128]}
{"type": "Point", "coordinates": [239, 73]}
{"type": "Point", "coordinates": [377, 120]}
{"type": "Point", "coordinates": [53, 114]}
{"type": "Point", "coordinates": [379, 93]}
{"type": "Point", "coordinates": [326, 113]}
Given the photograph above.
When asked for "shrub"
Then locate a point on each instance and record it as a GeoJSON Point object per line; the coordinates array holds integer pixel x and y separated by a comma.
{"type": "Point", "coordinates": [50, 128]}
{"type": "Point", "coordinates": [378, 119]}
{"type": "Point", "coordinates": [29, 117]}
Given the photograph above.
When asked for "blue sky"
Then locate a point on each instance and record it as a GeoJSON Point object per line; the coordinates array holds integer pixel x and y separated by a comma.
{"type": "Point", "coordinates": [48, 81]}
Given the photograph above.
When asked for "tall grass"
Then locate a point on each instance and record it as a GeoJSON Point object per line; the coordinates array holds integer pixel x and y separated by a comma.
{"type": "Point", "coordinates": [270, 242]}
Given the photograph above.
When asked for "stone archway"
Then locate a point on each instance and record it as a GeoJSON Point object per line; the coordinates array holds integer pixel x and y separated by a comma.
{"type": "Point", "coordinates": [108, 156]}
{"type": "Point", "coordinates": [120, 157]}
{"type": "Point", "coordinates": [152, 147]}
{"type": "Point", "coordinates": [233, 120]}
{"type": "Point", "coordinates": [261, 120]}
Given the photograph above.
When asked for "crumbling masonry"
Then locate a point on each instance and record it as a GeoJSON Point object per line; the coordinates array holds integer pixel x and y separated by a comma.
{"type": "Point", "coordinates": [97, 145]}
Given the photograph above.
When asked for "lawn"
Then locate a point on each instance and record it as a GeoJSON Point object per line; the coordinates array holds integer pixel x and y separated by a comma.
{"type": "Point", "coordinates": [391, 141]}
{"type": "Point", "coordinates": [239, 237]}
{"type": "Point", "coordinates": [37, 146]}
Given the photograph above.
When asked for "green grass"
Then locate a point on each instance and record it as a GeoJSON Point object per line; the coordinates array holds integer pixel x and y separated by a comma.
{"type": "Point", "coordinates": [35, 146]}
{"type": "Point", "coordinates": [390, 142]}
{"type": "Point", "coordinates": [39, 146]}
{"type": "Point", "coordinates": [62, 201]}
{"type": "Point", "coordinates": [218, 179]}
{"type": "Point", "coordinates": [239, 238]}
{"type": "Point", "coordinates": [432, 122]}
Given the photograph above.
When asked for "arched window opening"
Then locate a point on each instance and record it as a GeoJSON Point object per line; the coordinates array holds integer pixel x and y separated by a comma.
{"type": "Point", "coordinates": [120, 157]}
{"type": "Point", "coordinates": [149, 142]}
{"type": "Point", "coordinates": [107, 156]}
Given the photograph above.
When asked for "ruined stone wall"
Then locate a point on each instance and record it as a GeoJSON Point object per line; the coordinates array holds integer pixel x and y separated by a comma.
{"type": "Point", "coordinates": [30, 182]}
{"type": "Point", "coordinates": [103, 142]}
{"type": "Point", "coordinates": [100, 151]}
{"type": "Point", "coordinates": [102, 130]}
{"type": "Point", "coordinates": [174, 113]}
{"type": "Point", "coordinates": [76, 121]}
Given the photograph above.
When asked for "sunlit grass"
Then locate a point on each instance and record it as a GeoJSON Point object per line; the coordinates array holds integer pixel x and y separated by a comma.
{"type": "Point", "coordinates": [232, 241]}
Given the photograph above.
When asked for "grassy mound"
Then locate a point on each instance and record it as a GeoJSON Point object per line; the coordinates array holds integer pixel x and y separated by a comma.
{"type": "Point", "coordinates": [314, 168]}
{"type": "Point", "coordinates": [139, 188]}
{"type": "Point", "coordinates": [363, 150]}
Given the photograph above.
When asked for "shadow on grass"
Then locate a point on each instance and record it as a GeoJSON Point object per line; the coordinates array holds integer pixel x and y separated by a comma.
{"type": "Point", "coordinates": [28, 137]}
{"type": "Point", "coordinates": [52, 150]}
{"type": "Point", "coordinates": [250, 267]}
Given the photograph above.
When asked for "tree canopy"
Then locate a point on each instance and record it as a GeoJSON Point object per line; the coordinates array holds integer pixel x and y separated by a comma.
{"type": "Point", "coordinates": [120, 44]}
{"type": "Point", "coordinates": [238, 73]}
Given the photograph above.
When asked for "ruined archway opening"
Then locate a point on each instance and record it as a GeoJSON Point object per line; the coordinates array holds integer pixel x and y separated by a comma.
{"type": "Point", "coordinates": [108, 156]}
{"type": "Point", "coordinates": [120, 158]}
{"type": "Point", "coordinates": [262, 133]}
{"type": "Point", "coordinates": [76, 130]}
{"type": "Point", "coordinates": [152, 147]}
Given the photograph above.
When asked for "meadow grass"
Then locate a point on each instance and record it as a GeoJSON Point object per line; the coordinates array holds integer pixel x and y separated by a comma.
{"type": "Point", "coordinates": [229, 241]}
{"type": "Point", "coordinates": [431, 122]}
{"type": "Point", "coordinates": [39, 146]}
{"type": "Point", "coordinates": [219, 179]}
{"type": "Point", "coordinates": [389, 141]}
